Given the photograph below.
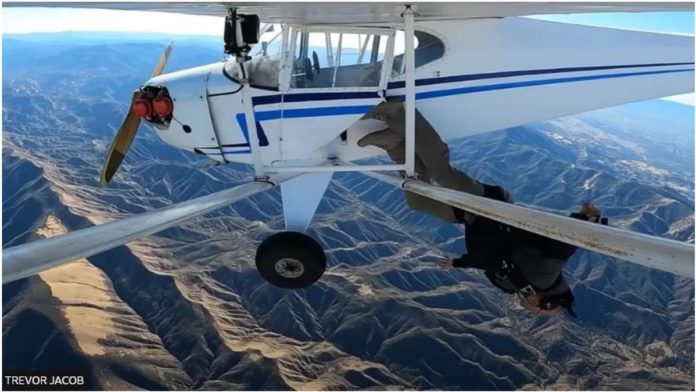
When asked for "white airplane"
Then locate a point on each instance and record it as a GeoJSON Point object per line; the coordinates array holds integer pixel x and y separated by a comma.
{"type": "Point", "coordinates": [291, 107]}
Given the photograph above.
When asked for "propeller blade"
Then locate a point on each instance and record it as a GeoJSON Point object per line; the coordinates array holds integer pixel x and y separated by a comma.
{"type": "Point", "coordinates": [126, 134]}
{"type": "Point", "coordinates": [121, 144]}
{"type": "Point", "coordinates": [163, 60]}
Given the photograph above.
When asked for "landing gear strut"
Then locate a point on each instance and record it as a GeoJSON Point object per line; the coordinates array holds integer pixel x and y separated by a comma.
{"type": "Point", "coordinates": [290, 260]}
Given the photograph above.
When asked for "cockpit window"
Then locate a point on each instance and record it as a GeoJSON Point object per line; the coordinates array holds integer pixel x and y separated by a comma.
{"type": "Point", "coordinates": [334, 59]}
{"type": "Point", "coordinates": [428, 48]}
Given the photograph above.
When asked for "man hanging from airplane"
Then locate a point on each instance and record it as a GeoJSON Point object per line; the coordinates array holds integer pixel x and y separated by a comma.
{"type": "Point", "coordinates": [514, 260]}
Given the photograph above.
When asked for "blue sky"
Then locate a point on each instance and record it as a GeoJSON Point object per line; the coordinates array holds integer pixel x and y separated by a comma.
{"type": "Point", "coordinates": [658, 22]}
{"type": "Point", "coordinates": [28, 20]}
{"type": "Point", "coordinates": [662, 22]}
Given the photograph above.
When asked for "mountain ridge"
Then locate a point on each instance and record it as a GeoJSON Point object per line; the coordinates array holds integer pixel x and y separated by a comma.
{"type": "Point", "coordinates": [382, 316]}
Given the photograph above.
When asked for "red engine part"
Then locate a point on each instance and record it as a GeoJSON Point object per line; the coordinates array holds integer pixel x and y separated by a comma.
{"type": "Point", "coordinates": [141, 108]}
{"type": "Point", "coordinates": [163, 106]}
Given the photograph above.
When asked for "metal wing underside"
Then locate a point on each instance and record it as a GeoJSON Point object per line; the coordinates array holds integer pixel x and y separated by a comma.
{"type": "Point", "coordinates": [28, 259]}
{"type": "Point", "coordinates": [371, 13]}
{"type": "Point", "coordinates": [654, 252]}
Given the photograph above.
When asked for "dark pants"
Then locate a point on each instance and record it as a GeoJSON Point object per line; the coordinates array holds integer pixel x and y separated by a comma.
{"type": "Point", "coordinates": [432, 161]}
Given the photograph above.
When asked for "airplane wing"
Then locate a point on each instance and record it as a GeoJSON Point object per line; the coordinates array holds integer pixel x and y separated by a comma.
{"type": "Point", "coordinates": [372, 12]}
{"type": "Point", "coordinates": [654, 252]}
{"type": "Point", "coordinates": [28, 259]}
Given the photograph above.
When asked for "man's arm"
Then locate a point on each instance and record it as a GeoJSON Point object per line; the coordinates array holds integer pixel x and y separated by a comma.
{"type": "Point", "coordinates": [470, 260]}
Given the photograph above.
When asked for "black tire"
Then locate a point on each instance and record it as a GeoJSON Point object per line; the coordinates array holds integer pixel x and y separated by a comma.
{"type": "Point", "coordinates": [290, 260]}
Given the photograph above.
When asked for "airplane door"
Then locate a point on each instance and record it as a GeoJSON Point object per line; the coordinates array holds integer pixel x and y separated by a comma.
{"type": "Point", "coordinates": [331, 77]}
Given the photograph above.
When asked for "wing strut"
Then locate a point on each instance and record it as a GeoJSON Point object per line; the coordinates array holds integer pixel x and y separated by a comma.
{"type": "Point", "coordinates": [650, 251]}
{"type": "Point", "coordinates": [28, 259]}
{"type": "Point", "coordinates": [410, 84]}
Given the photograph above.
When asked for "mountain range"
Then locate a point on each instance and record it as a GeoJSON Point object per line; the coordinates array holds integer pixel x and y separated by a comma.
{"type": "Point", "coordinates": [186, 309]}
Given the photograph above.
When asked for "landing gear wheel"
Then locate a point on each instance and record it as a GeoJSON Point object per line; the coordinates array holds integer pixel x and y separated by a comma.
{"type": "Point", "coordinates": [290, 260]}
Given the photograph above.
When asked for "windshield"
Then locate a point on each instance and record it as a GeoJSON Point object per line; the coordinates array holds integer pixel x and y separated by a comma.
{"type": "Point", "coordinates": [328, 59]}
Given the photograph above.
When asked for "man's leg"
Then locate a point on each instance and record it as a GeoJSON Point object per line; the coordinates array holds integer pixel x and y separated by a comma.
{"type": "Point", "coordinates": [417, 202]}
{"type": "Point", "coordinates": [430, 148]}
{"type": "Point", "coordinates": [436, 158]}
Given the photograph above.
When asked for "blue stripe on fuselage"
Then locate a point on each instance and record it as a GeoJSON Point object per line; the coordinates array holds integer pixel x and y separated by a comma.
{"type": "Point", "coordinates": [312, 112]}
{"type": "Point", "coordinates": [295, 113]}
{"type": "Point", "coordinates": [344, 110]}
{"type": "Point", "coordinates": [508, 74]}
{"type": "Point", "coordinates": [530, 83]}
{"type": "Point", "coordinates": [229, 152]}
{"type": "Point", "coordinates": [305, 97]}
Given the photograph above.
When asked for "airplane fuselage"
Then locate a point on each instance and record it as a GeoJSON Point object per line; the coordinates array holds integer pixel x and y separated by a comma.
{"type": "Point", "coordinates": [472, 76]}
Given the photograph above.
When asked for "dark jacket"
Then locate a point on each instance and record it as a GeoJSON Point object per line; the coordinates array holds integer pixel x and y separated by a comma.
{"type": "Point", "coordinates": [536, 260]}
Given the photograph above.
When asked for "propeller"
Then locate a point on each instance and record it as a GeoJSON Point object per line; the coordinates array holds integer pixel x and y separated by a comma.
{"type": "Point", "coordinates": [126, 134]}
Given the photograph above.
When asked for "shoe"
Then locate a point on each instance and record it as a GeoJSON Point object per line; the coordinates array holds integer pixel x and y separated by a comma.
{"type": "Point", "coordinates": [386, 111]}
{"type": "Point", "coordinates": [385, 139]}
